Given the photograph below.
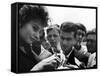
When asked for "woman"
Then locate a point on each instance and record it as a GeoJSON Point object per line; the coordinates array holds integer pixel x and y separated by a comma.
{"type": "Point", "coordinates": [32, 19]}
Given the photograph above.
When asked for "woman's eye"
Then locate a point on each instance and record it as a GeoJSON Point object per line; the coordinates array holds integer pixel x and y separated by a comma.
{"type": "Point", "coordinates": [35, 28]}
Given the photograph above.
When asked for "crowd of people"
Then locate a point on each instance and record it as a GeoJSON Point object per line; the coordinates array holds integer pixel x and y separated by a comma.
{"type": "Point", "coordinates": [65, 46]}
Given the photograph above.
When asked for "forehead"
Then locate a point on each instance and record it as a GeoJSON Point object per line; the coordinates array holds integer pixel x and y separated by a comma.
{"type": "Point", "coordinates": [67, 34]}
{"type": "Point", "coordinates": [91, 36]}
{"type": "Point", "coordinates": [35, 23]}
{"type": "Point", "coordinates": [53, 31]}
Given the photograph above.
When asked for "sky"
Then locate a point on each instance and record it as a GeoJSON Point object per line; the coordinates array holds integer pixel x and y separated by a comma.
{"type": "Point", "coordinates": [85, 16]}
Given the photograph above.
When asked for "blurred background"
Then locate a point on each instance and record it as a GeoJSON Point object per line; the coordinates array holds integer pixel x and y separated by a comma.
{"type": "Point", "coordinates": [85, 16]}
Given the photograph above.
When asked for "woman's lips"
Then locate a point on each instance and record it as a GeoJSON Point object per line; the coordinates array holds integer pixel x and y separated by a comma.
{"type": "Point", "coordinates": [34, 39]}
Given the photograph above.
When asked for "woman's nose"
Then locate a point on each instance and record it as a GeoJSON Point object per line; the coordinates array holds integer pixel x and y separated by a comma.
{"type": "Point", "coordinates": [36, 36]}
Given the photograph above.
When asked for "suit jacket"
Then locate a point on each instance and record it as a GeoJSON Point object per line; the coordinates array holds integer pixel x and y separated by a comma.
{"type": "Point", "coordinates": [71, 59]}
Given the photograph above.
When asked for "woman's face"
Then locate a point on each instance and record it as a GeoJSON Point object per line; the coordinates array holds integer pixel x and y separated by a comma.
{"type": "Point", "coordinates": [30, 31]}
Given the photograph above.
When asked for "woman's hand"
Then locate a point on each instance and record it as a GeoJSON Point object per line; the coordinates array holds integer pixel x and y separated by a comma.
{"type": "Point", "coordinates": [46, 64]}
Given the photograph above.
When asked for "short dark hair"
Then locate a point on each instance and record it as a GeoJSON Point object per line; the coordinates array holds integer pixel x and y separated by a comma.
{"type": "Point", "coordinates": [81, 27]}
{"type": "Point", "coordinates": [68, 27]}
{"type": "Point", "coordinates": [33, 12]}
{"type": "Point", "coordinates": [90, 33]}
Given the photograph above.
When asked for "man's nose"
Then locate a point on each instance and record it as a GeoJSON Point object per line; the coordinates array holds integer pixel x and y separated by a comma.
{"type": "Point", "coordinates": [52, 38]}
{"type": "Point", "coordinates": [80, 36]}
{"type": "Point", "coordinates": [65, 42]}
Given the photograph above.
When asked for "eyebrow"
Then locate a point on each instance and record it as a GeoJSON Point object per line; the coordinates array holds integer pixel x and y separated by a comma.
{"type": "Point", "coordinates": [36, 26]}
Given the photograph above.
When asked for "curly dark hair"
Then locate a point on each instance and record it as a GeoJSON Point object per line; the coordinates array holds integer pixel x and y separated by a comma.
{"type": "Point", "coordinates": [33, 12]}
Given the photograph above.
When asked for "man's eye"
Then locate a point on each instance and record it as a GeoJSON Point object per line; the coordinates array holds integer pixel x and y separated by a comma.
{"type": "Point", "coordinates": [68, 39]}
{"type": "Point", "coordinates": [49, 36]}
{"type": "Point", "coordinates": [55, 35]}
{"type": "Point", "coordinates": [90, 40]}
{"type": "Point", "coordinates": [62, 38]}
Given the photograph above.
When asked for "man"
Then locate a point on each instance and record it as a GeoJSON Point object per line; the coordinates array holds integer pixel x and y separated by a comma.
{"type": "Point", "coordinates": [67, 42]}
{"type": "Point", "coordinates": [91, 45]}
{"type": "Point", "coordinates": [53, 37]}
{"type": "Point", "coordinates": [81, 32]}
{"type": "Point", "coordinates": [52, 43]}
{"type": "Point", "coordinates": [32, 19]}
{"type": "Point", "coordinates": [81, 49]}
{"type": "Point", "coordinates": [80, 36]}
{"type": "Point", "coordinates": [91, 41]}
{"type": "Point", "coordinates": [85, 51]}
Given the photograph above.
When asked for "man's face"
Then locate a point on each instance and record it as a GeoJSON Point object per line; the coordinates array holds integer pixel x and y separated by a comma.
{"type": "Point", "coordinates": [67, 40]}
{"type": "Point", "coordinates": [91, 43]}
{"type": "Point", "coordinates": [79, 36]}
{"type": "Point", "coordinates": [30, 31]}
{"type": "Point", "coordinates": [53, 37]}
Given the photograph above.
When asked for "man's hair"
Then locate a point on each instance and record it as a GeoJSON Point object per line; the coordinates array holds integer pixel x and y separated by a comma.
{"type": "Point", "coordinates": [68, 27]}
{"type": "Point", "coordinates": [33, 12]}
{"type": "Point", "coordinates": [91, 33]}
{"type": "Point", "coordinates": [54, 26]}
{"type": "Point", "coordinates": [80, 26]}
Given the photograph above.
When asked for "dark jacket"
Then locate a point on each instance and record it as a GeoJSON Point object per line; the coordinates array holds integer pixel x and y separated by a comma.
{"type": "Point", "coordinates": [26, 61]}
